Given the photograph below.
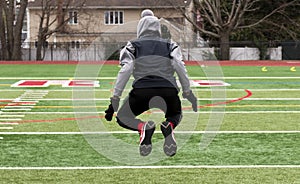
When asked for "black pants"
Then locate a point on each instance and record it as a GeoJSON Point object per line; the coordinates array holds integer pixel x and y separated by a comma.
{"type": "Point", "coordinates": [143, 99]}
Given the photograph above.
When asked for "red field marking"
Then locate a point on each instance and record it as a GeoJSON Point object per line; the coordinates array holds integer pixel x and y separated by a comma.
{"type": "Point", "coordinates": [64, 83]}
{"type": "Point", "coordinates": [33, 83]}
{"type": "Point", "coordinates": [17, 104]}
{"type": "Point", "coordinates": [191, 63]}
{"type": "Point", "coordinates": [80, 83]}
{"type": "Point", "coordinates": [208, 83]}
{"type": "Point", "coordinates": [20, 103]}
{"type": "Point", "coordinates": [5, 101]}
{"type": "Point", "coordinates": [108, 62]}
{"type": "Point", "coordinates": [249, 94]}
{"type": "Point", "coordinates": [12, 104]}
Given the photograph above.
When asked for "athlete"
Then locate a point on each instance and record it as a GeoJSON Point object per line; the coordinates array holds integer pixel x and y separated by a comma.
{"type": "Point", "coordinates": [152, 61]}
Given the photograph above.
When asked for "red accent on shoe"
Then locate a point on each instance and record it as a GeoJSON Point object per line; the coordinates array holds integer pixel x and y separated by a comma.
{"type": "Point", "coordinates": [140, 126]}
{"type": "Point", "coordinates": [141, 131]}
{"type": "Point", "coordinates": [172, 125]}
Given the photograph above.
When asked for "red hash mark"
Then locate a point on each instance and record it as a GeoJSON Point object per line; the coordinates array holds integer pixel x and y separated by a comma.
{"type": "Point", "coordinates": [81, 83]}
{"type": "Point", "coordinates": [33, 83]}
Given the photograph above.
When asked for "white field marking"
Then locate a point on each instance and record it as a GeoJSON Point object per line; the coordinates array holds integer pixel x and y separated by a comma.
{"type": "Point", "coordinates": [10, 119]}
{"type": "Point", "coordinates": [107, 99]}
{"type": "Point", "coordinates": [235, 112]}
{"type": "Point", "coordinates": [18, 100]}
{"type": "Point", "coordinates": [29, 100]}
{"type": "Point", "coordinates": [23, 104]}
{"type": "Point", "coordinates": [40, 90]}
{"type": "Point", "coordinates": [8, 123]}
{"type": "Point", "coordinates": [11, 115]}
{"type": "Point", "coordinates": [1, 138]}
{"type": "Point", "coordinates": [114, 78]}
{"type": "Point", "coordinates": [33, 78]}
{"type": "Point", "coordinates": [259, 90]}
{"type": "Point", "coordinates": [6, 128]}
{"type": "Point", "coordinates": [194, 89]}
{"type": "Point", "coordinates": [19, 106]}
{"type": "Point", "coordinates": [16, 109]}
{"type": "Point", "coordinates": [157, 167]}
{"type": "Point", "coordinates": [185, 112]}
{"type": "Point", "coordinates": [32, 96]}
{"type": "Point", "coordinates": [158, 132]}
{"type": "Point", "coordinates": [246, 78]}
{"type": "Point", "coordinates": [36, 94]}
{"type": "Point", "coordinates": [251, 99]}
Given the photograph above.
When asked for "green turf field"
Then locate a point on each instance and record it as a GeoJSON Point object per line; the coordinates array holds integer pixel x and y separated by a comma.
{"type": "Point", "coordinates": [58, 134]}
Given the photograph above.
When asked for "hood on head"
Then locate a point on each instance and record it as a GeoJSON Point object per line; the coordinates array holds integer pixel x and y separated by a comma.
{"type": "Point", "coordinates": [147, 12]}
{"type": "Point", "coordinates": [148, 26]}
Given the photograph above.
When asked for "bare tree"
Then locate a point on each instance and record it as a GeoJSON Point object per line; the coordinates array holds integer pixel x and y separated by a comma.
{"type": "Point", "coordinates": [223, 18]}
{"type": "Point", "coordinates": [11, 28]}
{"type": "Point", "coordinates": [54, 17]}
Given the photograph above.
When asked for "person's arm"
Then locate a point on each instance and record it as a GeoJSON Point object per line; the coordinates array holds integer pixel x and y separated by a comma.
{"type": "Point", "coordinates": [178, 65]}
{"type": "Point", "coordinates": [127, 64]}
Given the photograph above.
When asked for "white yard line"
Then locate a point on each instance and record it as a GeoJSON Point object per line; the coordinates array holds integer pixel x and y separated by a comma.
{"type": "Point", "coordinates": [32, 78]}
{"type": "Point", "coordinates": [185, 112]}
{"type": "Point", "coordinates": [8, 123]}
{"type": "Point", "coordinates": [254, 99]}
{"type": "Point", "coordinates": [32, 96]}
{"type": "Point", "coordinates": [196, 89]}
{"type": "Point", "coordinates": [10, 119]}
{"type": "Point", "coordinates": [11, 116]}
{"type": "Point", "coordinates": [16, 109]}
{"type": "Point", "coordinates": [19, 106]}
{"type": "Point", "coordinates": [194, 78]}
{"type": "Point", "coordinates": [113, 78]}
{"type": "Point", "coordinates": [6, 128]}
{"type": "Point", "coordinates": [18, 100]}
{"type": "Point", "coordinates": [133, 132]}
{"type": "Point", "coordinates": [157, 167]}
{"type": "Point", "coordinates": [107, 99]}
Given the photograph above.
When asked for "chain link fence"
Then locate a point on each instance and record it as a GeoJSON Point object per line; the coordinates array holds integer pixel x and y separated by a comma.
{"type": "Point", "coordinates": [96, 51]}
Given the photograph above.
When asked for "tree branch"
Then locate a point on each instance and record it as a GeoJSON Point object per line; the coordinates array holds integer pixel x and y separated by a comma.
{"type": "Point", "coordinates": [269, 15]}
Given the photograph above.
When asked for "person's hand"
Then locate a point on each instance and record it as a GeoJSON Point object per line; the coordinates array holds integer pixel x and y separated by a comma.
{"type": "Point", "coordinates": [113, 107]}
{"type": "Point", "coordinates": [191, 98]}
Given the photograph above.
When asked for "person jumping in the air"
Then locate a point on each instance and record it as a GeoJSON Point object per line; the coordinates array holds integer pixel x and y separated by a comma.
{"type": "Point", "coordinates": [153, 62]}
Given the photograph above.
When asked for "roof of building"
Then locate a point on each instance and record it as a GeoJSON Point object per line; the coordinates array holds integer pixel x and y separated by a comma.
{"type": "Point", "coordinates": [118, 3]}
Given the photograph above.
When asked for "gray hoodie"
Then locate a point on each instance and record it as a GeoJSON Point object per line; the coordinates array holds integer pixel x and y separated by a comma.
{"type": "Point", "coordinates": [151, 60]}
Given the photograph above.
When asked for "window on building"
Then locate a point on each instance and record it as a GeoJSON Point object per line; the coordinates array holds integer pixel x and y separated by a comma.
{"type": "Point", "coordinates": [75, 44]}
{"type": "Point", "coordinates": [114, 17]}
{"type": "Point", "coordinates": [73, 17]}
{"type": "Point", "coordinates": [45, 44]}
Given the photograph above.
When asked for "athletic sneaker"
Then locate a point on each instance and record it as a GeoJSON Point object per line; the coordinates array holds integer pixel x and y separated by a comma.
{"type": "Point", "coordinates": [146, 132]}
{"type": "Point", "coordinates": [170, 146]}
